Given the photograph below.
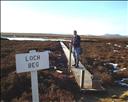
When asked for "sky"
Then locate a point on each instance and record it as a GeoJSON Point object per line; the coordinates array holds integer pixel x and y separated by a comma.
{"type": "Point", "coordinates": [62, 17]}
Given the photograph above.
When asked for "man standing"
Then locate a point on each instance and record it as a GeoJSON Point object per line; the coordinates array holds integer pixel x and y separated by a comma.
{"type": "Point", "coordinates": [76, 48]}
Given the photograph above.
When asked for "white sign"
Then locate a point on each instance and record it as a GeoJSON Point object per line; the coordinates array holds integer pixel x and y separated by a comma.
{"type": "Point", "coordinates": [32, 61]}
{"type": "Point", "coordinates": [26, 62]}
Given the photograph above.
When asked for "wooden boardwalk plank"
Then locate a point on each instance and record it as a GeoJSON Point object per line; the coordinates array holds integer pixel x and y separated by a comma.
{"type": "Point", "coordinates": [82, 76]}
{"type": "Point", "coordinates": [87, 80]}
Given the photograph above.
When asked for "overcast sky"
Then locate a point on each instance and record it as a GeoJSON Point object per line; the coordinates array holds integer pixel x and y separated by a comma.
{"type": "Point", "coordinates": [62, 17]}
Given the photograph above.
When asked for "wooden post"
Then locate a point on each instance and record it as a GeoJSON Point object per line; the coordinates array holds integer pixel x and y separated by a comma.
{"type": "Point", "coordinates": [70, 50]}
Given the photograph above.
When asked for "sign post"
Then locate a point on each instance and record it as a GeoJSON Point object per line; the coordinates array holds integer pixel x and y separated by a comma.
{"type": "Point", "coordinates": [34, 81]}
{"type": "Point", "coordinates": [31, 62]}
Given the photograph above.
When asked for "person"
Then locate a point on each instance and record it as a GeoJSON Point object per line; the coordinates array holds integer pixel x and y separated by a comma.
{"type": "Point", "coordinates": [75, 42]}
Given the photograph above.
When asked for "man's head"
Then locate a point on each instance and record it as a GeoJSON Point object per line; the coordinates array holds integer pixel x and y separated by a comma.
{"type": "Point", "coordinates": [75, 32]}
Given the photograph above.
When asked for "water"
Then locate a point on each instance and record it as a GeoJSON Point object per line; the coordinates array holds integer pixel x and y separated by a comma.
{"type": "Point", "coordinates": [122, 82]}
{"type": "Point", "coordinates": [32, 39]}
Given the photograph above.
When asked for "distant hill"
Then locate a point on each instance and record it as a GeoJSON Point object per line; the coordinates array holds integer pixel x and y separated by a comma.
{"type": "Point", "coordinates": [113, 35]}
{"type": "Point", "coordinates": [64, 36]}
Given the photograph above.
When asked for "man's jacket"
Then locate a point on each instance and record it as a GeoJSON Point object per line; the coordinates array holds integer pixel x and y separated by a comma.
{"type": "Point", "coordinates": [76, 41]}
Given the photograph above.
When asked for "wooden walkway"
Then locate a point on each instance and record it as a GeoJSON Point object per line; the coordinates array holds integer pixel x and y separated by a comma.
{"type": "Point", "coordinates": [82, 76]}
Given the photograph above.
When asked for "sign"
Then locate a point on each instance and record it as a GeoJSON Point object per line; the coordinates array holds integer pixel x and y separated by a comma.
{"type": "Point", "coordinates": [26, 62]}
{"type": "Point", "coordinates": [32, 61]}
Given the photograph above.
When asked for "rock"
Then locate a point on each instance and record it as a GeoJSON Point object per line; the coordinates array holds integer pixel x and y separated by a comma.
{"type": "Point", "coordinates": [114, 96]}
{"type": "Point", "coordinates": [124, 95]}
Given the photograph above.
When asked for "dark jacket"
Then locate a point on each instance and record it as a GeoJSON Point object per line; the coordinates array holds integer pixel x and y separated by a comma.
{"type": "Point", "coordinates": [76, 41]}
